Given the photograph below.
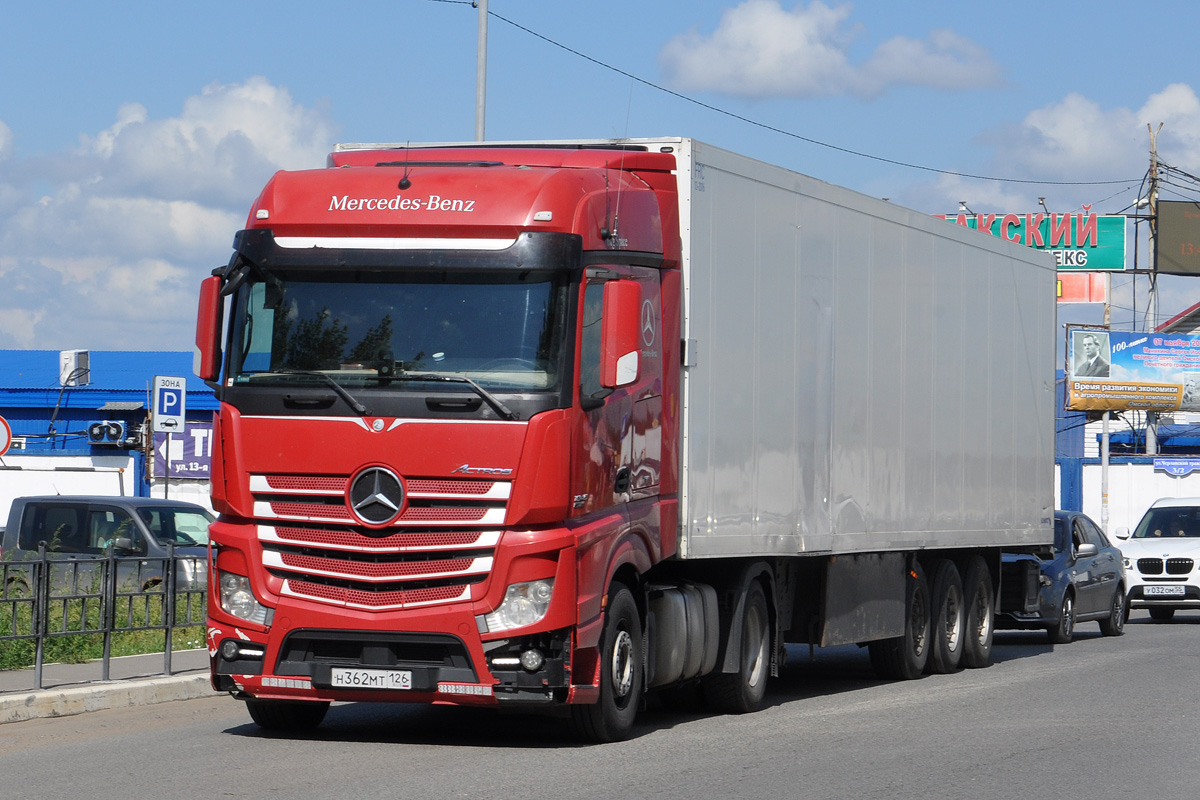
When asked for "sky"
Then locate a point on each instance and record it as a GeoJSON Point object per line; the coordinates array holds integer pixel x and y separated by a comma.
{"type": "Point", "coordinates": [134, 136]}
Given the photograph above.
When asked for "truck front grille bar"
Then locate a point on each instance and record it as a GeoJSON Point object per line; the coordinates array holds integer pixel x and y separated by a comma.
{"type": "Point", "coordinates": [435, 552]}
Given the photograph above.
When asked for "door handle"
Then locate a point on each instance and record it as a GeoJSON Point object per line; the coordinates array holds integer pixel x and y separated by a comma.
{"type": "Point", "coordinates": [621, 482]}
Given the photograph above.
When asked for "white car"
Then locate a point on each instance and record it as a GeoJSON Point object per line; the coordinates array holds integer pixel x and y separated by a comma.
{"type": "Point", "coordinates": [1161, 557]}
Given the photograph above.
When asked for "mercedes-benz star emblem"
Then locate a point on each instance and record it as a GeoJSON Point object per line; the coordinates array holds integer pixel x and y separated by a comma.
{"type": "Point", "coordinates": [648, 329]}
{"type": "Point", "coordinates": [376, 496]}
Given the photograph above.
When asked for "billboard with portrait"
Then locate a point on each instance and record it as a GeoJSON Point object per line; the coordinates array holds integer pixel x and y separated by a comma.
{"type": "Point", "coordinates": [1119, 370]}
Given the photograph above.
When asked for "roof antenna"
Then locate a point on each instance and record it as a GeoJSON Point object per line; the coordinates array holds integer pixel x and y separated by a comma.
{"type": "Point", "coordinates": [404, 181]}
{"type": "Point", "coordinates": [611, 236]}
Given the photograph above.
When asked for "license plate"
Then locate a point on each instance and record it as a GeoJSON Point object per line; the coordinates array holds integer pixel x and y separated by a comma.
{"type": "Point", "coordinates": [344, 678]}
{"type": "Point", "coordinates": [1163, 591]}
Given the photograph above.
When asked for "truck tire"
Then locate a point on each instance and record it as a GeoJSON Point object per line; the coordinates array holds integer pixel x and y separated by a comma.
{"type": "Point", "coordinates": [980, 598]}
{"type": "Point", "coordinates": [947, 620]}
{"type": "Point", "coordinates": [743, 691]}
{"type": "Point", "coordinates": [1063, 631]}
{"type": "Point", "coordinates": [610, 719]}
{"type": "Point", "coordinates": [1114, 625]}
{"type": "Point", "coordinates": [287, 715]}
{"type": "Point", "coordinates": [904, 657]}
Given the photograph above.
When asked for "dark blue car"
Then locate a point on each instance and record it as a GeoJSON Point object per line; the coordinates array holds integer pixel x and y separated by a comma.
{"type": "Point", "coordinates": [1081, 579]}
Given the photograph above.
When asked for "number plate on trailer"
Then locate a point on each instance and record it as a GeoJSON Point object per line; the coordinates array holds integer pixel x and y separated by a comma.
{"type": "Point", "coordinates": [1162, 591]}
{"type": "Point", "coordinates": [344, 678]}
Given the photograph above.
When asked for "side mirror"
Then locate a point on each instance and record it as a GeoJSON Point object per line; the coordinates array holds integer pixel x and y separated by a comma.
{"type": "Point", "coordinates": [207, 361]}
{"type": "Point", "coordinates": [1086, 550]}
{"type": "Point", "coordinates": [1121, 533]}
{"type": "Point", "coordinates": [619, 333]}
{"type": "Point", "coordinates": [122, 544]}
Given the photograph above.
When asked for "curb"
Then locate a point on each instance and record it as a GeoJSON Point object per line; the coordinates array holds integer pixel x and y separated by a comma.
{"type": "Point", "coordinates": [66, 702]}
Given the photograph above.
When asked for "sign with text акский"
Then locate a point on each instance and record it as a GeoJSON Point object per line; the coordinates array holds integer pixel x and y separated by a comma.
{"type": "Point", "coordinates": [1119, 370]}
{"type": "Point", "coordinates": [1081, 241]}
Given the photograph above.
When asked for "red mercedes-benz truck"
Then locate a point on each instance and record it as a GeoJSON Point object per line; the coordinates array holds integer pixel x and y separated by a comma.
{"type": "Point", "coordinates": [554, 425]}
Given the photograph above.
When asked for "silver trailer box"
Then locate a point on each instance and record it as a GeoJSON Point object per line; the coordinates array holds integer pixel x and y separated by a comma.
{"type": "Point", "coordinates": [859, 377]}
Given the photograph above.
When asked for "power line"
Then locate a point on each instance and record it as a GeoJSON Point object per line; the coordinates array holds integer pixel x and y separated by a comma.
{"type": "Point", "coordinates": [781, 131]}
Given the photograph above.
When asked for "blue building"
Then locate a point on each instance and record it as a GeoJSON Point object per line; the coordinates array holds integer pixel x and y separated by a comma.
{"type": "Point", "coordinates": [83, 411]}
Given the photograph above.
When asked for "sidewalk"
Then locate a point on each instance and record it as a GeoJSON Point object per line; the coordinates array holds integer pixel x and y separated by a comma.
{"type": "Point", "coordinates": [77, 688]}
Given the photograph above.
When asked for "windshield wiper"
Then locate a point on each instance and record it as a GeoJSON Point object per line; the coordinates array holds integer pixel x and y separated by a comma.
{"type": "Point", "coordinates": [358, 407]}
{"type": "Point", "coordinates": [493, 401]}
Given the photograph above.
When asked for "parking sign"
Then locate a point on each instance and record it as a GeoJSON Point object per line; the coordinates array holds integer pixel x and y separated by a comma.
{"type": "Point", "coordinates": [169, 398]}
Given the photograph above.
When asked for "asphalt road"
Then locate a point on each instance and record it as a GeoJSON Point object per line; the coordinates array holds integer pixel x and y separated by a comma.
{"type": "Point", "coordinates": [1098, 718]}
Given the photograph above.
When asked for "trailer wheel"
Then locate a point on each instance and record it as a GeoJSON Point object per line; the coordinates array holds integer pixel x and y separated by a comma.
{"type": "Point", "coordinates": [947, 620]}
{"type": "Point", "coordinates": [610, 718]}
{"type": "Point", "coordinates": [286, 715]}
{"type": "Point", "coordinates": [904, 657]}
{"type": "Point", "coordinates": [1064, 630]}
{"type": "Point", "coordinates": [743, 691]}
{"type": "Point", "coordinates": [981, 610]}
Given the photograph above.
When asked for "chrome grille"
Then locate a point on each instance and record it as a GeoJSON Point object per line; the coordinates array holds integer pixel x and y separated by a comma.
{"type": "Point", "coordinates": [435, 552]}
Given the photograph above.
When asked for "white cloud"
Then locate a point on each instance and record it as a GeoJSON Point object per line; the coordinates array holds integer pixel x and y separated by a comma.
{"type": "Point", "coordinates": [1077, 139]}
{"type": "Point", "coordinates": [761, 50]}
{"type": "Point", "coordinates": [111, 256]}
{"type": "Point", "coordinates": [1072, 140]}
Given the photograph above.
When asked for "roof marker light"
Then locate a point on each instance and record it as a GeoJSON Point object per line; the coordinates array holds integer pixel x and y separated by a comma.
{"type": "Point", "coordinates": [543, 216]}
{"type": "Point", "coordinates": [262, 213]}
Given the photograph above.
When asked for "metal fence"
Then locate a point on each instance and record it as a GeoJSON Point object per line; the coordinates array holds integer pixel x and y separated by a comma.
{"type": "Point", "coordinates": [50, 596]}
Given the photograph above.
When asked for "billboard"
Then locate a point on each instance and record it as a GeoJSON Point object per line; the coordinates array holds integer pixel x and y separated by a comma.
{"type": "Point", "coordinates": [1120, 370]}
{"type": "Point", "coordinates": [1082, 241]}
{"type": "Point", "coordinates": [185, 454]}
{"type": "Point", "coordinates": [1177, 245]}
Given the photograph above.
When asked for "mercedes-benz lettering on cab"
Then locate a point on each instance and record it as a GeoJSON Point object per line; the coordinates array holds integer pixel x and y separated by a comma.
{"type": "Point", "coordinates": [1161, 557]}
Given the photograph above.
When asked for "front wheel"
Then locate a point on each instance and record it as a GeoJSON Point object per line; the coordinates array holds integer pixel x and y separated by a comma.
{"type": "Point", "coordinates": [1064, 630]}
{"type": "Point", "coordinates": [610, 718]}
{"type": "Point", "coordinates": [1114, 625]}
{"type": "Point", "coordinates": [743, 691]}
{"type": "Point", "coordinates": [287, 715]}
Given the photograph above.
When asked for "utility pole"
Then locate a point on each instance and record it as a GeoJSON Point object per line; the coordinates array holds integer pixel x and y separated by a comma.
{"type": "Point", "coordinates": [1152, 417]}
{"type": "Point", "coordinates": [481, 69]}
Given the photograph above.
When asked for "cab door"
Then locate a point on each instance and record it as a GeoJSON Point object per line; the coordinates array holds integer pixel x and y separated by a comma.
{"type": "Point", "coordinates": [619, 456]}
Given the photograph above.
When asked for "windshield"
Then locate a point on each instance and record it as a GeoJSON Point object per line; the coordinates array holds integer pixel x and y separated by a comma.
{"type": "Point", "coordinates": [1169, 522]}
{"type": "Point", "coordinates": [502, 329]}
{"type": "Point", "coordinates": [183, 526]}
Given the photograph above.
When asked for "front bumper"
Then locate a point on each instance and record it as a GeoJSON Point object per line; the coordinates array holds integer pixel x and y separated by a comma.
{"type": "Point", "coordinates": [1139, 597]}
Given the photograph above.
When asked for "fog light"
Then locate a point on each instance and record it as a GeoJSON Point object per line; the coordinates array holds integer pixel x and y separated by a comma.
{"type": "Point", "coordinates": [233, 650]}
{"type": "Point", "coordinates": [229, 650]}
{"type": "Point", "coordinates": [532, 660]}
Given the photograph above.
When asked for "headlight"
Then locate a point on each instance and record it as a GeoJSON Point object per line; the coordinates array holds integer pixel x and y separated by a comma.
{"type": "Point", "coordinates": [1128, 564]}
{"type": "Point", "coordinates": [524, 604]}
{"type": "Point", "coordinates": [237, 599]}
